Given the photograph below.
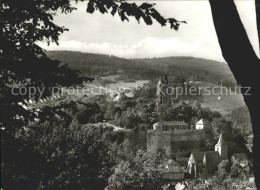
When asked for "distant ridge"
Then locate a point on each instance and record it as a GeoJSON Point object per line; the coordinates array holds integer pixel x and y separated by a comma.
{"type": "Point", "coordinates": [190, 68]}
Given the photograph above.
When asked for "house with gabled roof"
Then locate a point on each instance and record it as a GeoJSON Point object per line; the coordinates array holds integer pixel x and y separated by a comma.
{"type": "Point", "coordinates": [172, 171]}
{"type": "Point", "coordinates": [203, 124]}
{"type": "Point", "coordinates": [201, 164]}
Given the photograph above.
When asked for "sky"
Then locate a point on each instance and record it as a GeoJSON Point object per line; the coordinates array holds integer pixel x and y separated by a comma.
{"type": "Point", "coordinates": [104, 34]}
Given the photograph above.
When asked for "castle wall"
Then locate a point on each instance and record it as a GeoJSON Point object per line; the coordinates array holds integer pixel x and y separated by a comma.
{"type": "Point", "coordinates": [158, 141]}
{"type": "Point", "coordinates": [183, 143]}
{"type": "Point", "coordinates": [180, 143]}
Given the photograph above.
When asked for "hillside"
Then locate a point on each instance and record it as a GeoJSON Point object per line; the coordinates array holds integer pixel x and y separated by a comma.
{"type": "Point", "coordinates": [104, 65]}
{"type": "Point", "coordinates": [219, 101]}
{"type": "Point", "coordinates": [209, 70]}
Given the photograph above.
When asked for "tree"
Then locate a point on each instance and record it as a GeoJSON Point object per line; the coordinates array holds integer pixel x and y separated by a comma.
{"type": "Point", "coordinates": [128, 120]}
{"type": "Point", "coordinates": [241, 58]}
{"type": "Point", "coordinates": [59, 156]}
{"type": "Point", "coordinates": [236, 171]}
{"type": "Point", "coordinates": [139, 171]}
{"type": "Point", "coordinates": [99, 117]}
{"type": "Point", "coordinates": [145, 11]}
{"type": "Point", "coordinates": [23, 63]}
{"type": "Point", "coordinates": [89, 114]}
{"type": "Point", "coordinates": [223, 169]}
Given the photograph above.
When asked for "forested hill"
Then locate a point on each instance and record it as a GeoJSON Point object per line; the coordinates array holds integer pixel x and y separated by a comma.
{"type": "Point", "coordinates": [213, 71]}
{"type": "Point", "coordinates": [189, 67]}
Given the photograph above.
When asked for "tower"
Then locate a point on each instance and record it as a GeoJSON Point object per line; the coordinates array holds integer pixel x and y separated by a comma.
{"type": "Point", "coordinates": [221, 148]}
{"type": "Point", "coordinates": [162, 85]}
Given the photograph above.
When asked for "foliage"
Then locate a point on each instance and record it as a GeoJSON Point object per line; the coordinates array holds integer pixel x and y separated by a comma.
{"type": "Point", "coordinates": [62, 157]}
{"type": "Point", "coordinates": [234, 139]}
{"type": "Point", "coordinates": [236, 171]}
{"type": "Point", "coordinates": [227, 177]}
{"type": "Point", "coordinates": [23, 61]}
{"type": "Point", "coordinates": [58, 156]}
{"type": "Point", "coordinates": [242, 121]}
{"type": "Point", "coordinates": [139, 171]}
{"type": "Point", "coordinates": [223, 169]}
{"type": "Point", "coordinates": [141, 110]}
{"type": "Point", "coordinates": [189, 67]}
{"type": "Point", "coordinates": [147, 92]}
{"type": "Point", "coordinates": [91, 113]}
{"type": "Point", "coordinates": [186, 112]}
{"type": "Point", "coordinates": [124, 9]}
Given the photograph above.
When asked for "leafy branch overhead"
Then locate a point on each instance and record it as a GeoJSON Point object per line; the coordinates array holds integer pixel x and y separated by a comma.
{"type": "Point", "coordinates": [145, 11]}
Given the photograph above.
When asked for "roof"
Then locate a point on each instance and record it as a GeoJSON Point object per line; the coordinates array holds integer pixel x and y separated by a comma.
{"type": "Point", "coordinates": [240, 156]}
{"type": "Point", "coordinates": [213, 156]}
{"type": "Point", "coordinates": [202, 121]}
{"type": "Point", "coordinates": [172, 123]}
{"type": "Point", "coordinates": [172, 167]}
{"type": "Point", "coordinates": [182, 159]}
{"type": "Point", "coordinates": [197, 157]}
{"type": "Point", "coordinates": [173, 170]}
{"type": "Point", "coordinates": [209, 157]}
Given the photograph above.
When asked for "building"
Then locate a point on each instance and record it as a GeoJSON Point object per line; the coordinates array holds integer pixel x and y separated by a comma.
{"type": "Point", "coordinates": [169, 90]}
{"type": "Point", "coordinates": [164, 91]}
{"type": "Point", "coordinates": [221, 147]}
{"type": "Point", "coordinates": [201, 164]}
{"type": "Point", "coordinates": [203, 124]}
{"type": "Point", "coordinates": [172, 172]}
{"type": "Point", "coordinates": [171, 125]}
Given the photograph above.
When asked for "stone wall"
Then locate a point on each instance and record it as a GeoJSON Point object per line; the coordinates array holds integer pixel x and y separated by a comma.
{"type": "Point", "coordinates": [159, 141]}
{"type": "Point", "coordinates": [174, 143]}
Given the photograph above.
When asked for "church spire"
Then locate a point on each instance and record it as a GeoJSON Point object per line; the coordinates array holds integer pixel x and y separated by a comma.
{"type": "Point", "coordinates": [221, 147]}
{"type": "Point", "coordinates": [166, 78]}
{"type": "Point", "coordinates": [221, 140]}
{"type": "Point", "coordinates": [204, 159]}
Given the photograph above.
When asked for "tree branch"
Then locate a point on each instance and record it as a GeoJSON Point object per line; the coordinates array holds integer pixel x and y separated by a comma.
{"type": "Point", "coordinates": [125, 10]}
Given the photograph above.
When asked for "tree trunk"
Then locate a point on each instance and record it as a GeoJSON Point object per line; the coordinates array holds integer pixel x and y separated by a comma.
{"type": "Point", "coordinates": [257, 6]}
{"type": "Point", "coordinates": [242, 60]}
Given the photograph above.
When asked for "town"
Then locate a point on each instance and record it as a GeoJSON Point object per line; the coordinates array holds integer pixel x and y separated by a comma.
{"type": "Point", "coordinates": [184, 146]}
{"type": "Point", "coordinates": [188, 136]}
{"type": "Point", "coordinates": [129, 95]}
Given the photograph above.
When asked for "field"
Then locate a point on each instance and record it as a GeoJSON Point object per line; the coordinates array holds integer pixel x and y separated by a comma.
{"type": "Point", "coordinates": [219, 101]}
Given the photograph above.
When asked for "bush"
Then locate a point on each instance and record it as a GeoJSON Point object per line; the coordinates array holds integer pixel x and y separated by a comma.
{"type": "Point", "coordinates": [139, 171]}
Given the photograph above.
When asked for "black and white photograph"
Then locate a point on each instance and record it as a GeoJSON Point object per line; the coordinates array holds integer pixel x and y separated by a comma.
{"type": "Point", "coordinates": [129, 95]}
